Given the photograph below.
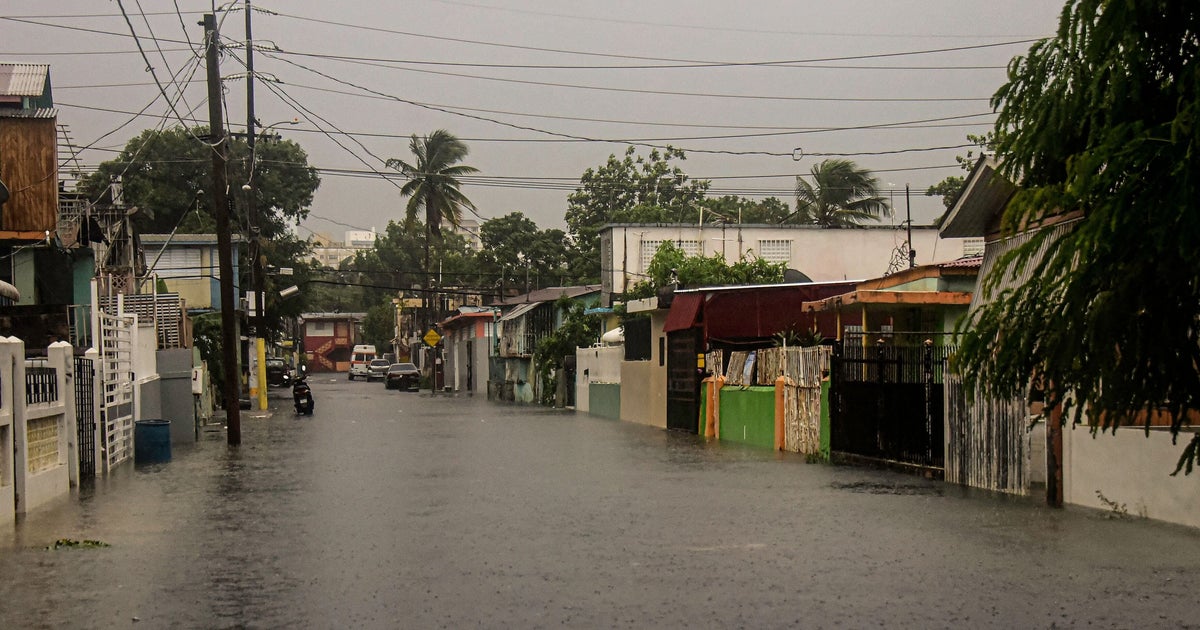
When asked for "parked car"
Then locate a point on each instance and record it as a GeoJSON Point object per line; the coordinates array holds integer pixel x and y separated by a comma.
{"type": "Point", "coordinates": [278, 373]}
{"type": "Point", "coordinates": [404, 376]}
{"type": "Point", "coordinates": [377, 369]}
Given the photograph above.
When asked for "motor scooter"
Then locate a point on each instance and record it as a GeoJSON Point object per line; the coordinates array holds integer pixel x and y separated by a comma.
{"type": "Point", "coordinates": [302, 394]}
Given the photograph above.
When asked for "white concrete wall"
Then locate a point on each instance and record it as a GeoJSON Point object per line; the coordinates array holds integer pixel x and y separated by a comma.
{"type": "Point", "coordinates": [596, 364]}
{"type": "Point", "coordinates": [822, 254]}
{"type": "Point", "coordinates": [644, 393]}
{"type": "Point", "coordinates": [1131, 469]}
{"type": "Point", "coordinates": [145, 351]}
{"type": "Point", "coordinates": [35, 488]}
{"type": "Point", "coordinates": [12, 351]}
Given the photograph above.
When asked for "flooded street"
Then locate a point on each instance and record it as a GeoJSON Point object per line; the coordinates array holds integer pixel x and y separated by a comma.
{"type": "Point", "coordinates": [390, 509]}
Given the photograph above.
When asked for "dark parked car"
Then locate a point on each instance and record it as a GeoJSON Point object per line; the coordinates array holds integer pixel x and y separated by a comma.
{"type": "Point", "coordinates": [278, 373]}
{"type": "Point", "coordinates": [404, 376]}
{"type": "Point", "coordinates": [377, 369]}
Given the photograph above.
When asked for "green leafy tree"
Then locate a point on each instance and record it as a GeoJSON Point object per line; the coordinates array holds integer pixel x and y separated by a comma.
{"type": "Point", "coordinates": [163, 174]}
{"type": "Point", "coordinates": [671, 265]}
{"type": "Point", "coordinates": [734, 209]}
{"type": "Point", "coordinates": [515, 249]}
{"type": "Point", "coordinates": [948, 189]}
{"type": "Point", "coordinates": [632, 189]}
{"type": "Point", "coordinates": [577, 329]}
{"type": "Point", "coordinates": [840, 195]}
{"type": "Point", "coordinates": [1103, 119]}
{"type": "Point", "coordinates": [379, 326]}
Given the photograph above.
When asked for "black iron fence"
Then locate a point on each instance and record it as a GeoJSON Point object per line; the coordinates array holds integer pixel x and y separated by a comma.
{"type": "Point", "coordinates": [41, 383]}
{"type": "Point", "coordinates": [85, 415]}
{"type": "Point", "coordinates": [887, 402]}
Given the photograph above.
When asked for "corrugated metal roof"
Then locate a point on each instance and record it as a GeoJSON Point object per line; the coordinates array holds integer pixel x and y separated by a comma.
{"type": "Point", "coordinates": [972, 262]}
{"type": "Point", "coordinates": [1014, 277]}
{"type": "Point", "coordinates": [23, 79]}
{"type": "Point", "coordinates": [519, 311]}
{"type": "Point", "coordinates": [40, 112]}
{"type": "Point", "coordinates": [550, 294]}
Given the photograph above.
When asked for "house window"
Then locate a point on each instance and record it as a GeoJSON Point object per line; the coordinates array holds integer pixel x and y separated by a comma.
{"type": "Point", "coordinates": [775, 251]}
{"type": "Point", "coordinates": [972, 247]}
{"type": "Point", "coordinates": [320, 329]}
{"type": "Point", "coordinates": [691, 248]}
{"type": "Point", "coordinates": [177, 262]}
{"type": "Point", "coordinates": [649, 248]}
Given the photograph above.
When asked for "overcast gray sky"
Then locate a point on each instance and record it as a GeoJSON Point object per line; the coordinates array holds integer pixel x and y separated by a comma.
{"type": "Point", "coordinates": [543, 90]}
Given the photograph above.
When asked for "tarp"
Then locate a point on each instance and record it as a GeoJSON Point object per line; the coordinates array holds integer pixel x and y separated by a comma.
{"type": "Point", "coordinates": [684, 309]}
{"type": "Point", "coordinates": [759, 312]}
{"type": "Point", "coordinates": [9, 291]}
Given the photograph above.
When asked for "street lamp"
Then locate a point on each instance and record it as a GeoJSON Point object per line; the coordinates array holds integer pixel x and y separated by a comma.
{"type": "Point", "coordinates": [256, 269]}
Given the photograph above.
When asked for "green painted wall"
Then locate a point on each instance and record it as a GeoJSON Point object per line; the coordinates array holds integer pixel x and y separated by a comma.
{"type": "Point", "coordinates": [604, 400]}
{"type": "Point", "coordinates": [703, 419]}
{"type": "Point", "coordinates": [748, 415]}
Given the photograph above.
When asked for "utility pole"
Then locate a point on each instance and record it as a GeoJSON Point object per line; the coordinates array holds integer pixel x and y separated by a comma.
{"type": "Point", "coordinates": [912, 253]}
{"type": "Point", "coordinates": [256, 268]}
{"type": "Point", "coordinates": [220, 199]}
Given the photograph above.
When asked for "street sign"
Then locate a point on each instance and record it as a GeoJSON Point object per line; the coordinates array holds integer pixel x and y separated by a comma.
{"type": "Point", "coordinates": [432, 338]}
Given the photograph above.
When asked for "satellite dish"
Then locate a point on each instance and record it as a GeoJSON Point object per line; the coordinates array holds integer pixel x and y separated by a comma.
{"type": "Point", "coordinates": [791, 275]}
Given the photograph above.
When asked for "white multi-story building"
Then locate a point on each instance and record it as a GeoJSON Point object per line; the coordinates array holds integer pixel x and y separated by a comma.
{"type": "Point", "coordinates": [821, 254]}
{"type": "Point", "coordinates": [330, 253]}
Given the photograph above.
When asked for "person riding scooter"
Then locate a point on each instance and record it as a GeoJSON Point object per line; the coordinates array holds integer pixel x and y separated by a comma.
{"type": "Point", "coordinates": [302, 394]}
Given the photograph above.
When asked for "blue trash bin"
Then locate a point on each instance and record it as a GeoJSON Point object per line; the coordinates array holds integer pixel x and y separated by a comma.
{"type": "Point", "coordinates": [152, 441]}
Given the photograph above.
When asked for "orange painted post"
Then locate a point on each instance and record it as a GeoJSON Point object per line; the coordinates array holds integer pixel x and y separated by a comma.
{"type": "Point", "coordinates": [714, 429]}
{"type": "Point", "coordinates": [779, 441]}
{"type": "Point", "coordinates": [706, 429]}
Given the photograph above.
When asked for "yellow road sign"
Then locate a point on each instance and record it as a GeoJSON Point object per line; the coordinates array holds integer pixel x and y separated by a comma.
{"type": "Point", "coordinates": [432, 337]}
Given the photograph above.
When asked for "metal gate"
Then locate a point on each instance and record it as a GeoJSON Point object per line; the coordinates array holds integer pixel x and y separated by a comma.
{"type": "Point", "coordinates": [887, 403]}
{"type": "Point", "coordinates": [683, 380]}
{"type": "Point", "coordinates": [85, 415]}
{"type": "Point", "coordinates": [116, 378]}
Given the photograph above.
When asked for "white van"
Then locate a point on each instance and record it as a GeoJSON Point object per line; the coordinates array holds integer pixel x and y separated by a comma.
{"type": "Point", "coordinates": [360, 361]}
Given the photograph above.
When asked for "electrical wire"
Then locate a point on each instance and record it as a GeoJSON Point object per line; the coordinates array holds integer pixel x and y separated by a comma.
{"type": "Point", "coordinates": [634, 57]}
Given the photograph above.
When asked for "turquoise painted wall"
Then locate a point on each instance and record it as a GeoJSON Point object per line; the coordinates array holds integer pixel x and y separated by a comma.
{"type": "Point", "coordinates": [604, 400]}
{"type": "Point", "coordinates": [748, 415]}
{"type": "Point", "coordinates": [82, 271]}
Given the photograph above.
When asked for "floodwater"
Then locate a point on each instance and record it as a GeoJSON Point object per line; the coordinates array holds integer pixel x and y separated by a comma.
{"type": "Point", "coordinates": [402, 510]}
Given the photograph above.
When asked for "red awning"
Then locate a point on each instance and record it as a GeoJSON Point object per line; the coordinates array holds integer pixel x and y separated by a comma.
{"type": "Point", "coordinates": [684, 309]}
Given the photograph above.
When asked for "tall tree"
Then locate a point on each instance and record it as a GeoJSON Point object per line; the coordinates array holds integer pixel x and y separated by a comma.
{"type": "Point", "coordinates": [433, 187]}
{"type": "Point", "coordinates": [632, 189]}
{"type": "Point", "coordinates": [734, 209]}
{"type": "Point", "coordinates": [162, 172]}
{"type": "Point", "coordinates": [1102, 119]}
{"type": "Point", "coordinates": [840, 195]}
{"type": "Point", "coordinates": [515, 250]}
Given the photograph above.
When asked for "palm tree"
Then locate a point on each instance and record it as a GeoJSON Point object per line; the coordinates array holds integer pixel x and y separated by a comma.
{"type": "Point", "coordinates": [432, 181]}
{"type": "Point", "coordinates": [841, 195]}
{"type": "Point", "coordinates": [433, 185]}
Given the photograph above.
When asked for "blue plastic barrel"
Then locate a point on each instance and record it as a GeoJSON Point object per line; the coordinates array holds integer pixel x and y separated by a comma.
{"type": "Point", "coordinates": [152, 441]}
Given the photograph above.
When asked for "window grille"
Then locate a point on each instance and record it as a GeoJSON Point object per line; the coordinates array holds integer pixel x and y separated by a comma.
{"type": "Point", "coordinates": [775, 251]}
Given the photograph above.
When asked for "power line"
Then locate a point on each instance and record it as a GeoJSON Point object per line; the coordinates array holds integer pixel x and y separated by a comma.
{"type": "Point", "coordinates": [600, 88]}
{"type": "Point", "coordinates": [635, 57]}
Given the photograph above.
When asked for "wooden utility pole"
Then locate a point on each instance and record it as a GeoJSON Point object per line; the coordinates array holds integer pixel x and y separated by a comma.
{"type": "Point", "coordinates": [220, 197]}
{"type": "Point", "coordinates": [256, 268]}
